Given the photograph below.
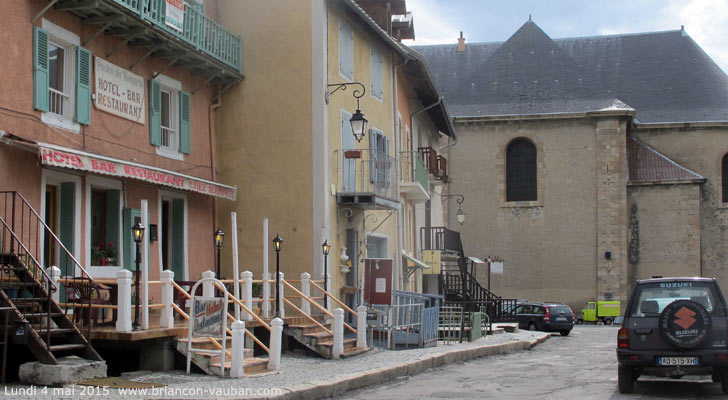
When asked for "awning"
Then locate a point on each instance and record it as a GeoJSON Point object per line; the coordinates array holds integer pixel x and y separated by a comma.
{"type": "Point", "coordinates": [476, 260]}
{"type": "Point", "coordinates": [57, 156]}
{"type": "Point", "coordinates": [418, 263]}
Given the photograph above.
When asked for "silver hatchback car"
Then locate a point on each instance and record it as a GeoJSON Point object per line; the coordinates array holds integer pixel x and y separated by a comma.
{"type": "Point", "coordinates": [674, 327]}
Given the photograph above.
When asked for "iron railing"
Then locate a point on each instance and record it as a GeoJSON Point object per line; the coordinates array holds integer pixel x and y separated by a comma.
{"type": "Point", "coordinates": [366, 171]}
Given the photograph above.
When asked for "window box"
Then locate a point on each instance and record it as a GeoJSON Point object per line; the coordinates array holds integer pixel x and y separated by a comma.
{"type": "Point", "coordinates": [352, 154]}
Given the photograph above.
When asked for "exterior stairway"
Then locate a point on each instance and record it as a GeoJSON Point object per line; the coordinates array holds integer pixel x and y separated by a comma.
{"type": "Point", "coordinates": [318, 340]}
{"type": "Point", "coordinates": [211, 362]}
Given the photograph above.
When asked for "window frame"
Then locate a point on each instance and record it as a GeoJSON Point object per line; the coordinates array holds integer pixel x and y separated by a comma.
{"type": "Point", "coordinates": [502, 177]}
{"type": "Point", "coordinates": [724, 179]}
{"type": "Point", "coordinates": [69, 41]}
{"type": "Point", "coordinates": [173, 87]}
{"type": "Point", "coordinates": [97, 182]}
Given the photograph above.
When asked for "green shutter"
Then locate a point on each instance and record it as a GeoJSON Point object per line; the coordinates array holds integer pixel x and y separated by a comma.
{"type": "Point", "coordinates": [178, 238]}
{"type": "Point", "coordinates": [184, 122]}
{"type": "Point", "coordinates": [83, 86]}
{"type": "Point", "coordinates": [155, 113]}
{"type": "Point", "coordinates": [40, 69]}
{"type": "Point", "coordinates": [67, 229]}
{"type": "Point", "coordinates": [112, 221]}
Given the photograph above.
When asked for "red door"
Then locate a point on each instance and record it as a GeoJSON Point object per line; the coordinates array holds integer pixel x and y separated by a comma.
{"type": "Point", "coordinates": [378, 281]}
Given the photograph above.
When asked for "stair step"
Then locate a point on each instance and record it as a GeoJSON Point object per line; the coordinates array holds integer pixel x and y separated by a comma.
{"type": "Point", "coordinates": [331, 344]}
{"type": "Point", "coordinates": [354, 352]}
{"type": "Point", "coordinates": [248, 363]}
{"type": "Point", "coordinates": [318, 335]}
{"type": "Point", "coordinates": [62, 347]}
{"type": "Point", "coordinates": [28, 299]}
{"type": "Point", "coordinates": [33, 315]}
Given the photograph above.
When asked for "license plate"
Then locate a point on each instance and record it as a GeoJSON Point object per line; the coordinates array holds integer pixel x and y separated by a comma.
{"type": "Point", "coordinates": [561, 319]}
{"type": "Point", "coordinates": [691, 361]}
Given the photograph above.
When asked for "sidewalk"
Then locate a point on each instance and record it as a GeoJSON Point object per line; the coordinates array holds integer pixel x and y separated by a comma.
{"type": "Point", "coordinates": [302, 377]}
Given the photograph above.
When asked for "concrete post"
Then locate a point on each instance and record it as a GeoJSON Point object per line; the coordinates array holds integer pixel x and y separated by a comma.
{"type": "Point", "coordinates": [306, 290]}
{"type": "Point", "coordinates": [208, 289]}
{"type": "Point", "coordinates": [281, 304]}
{"type": "Point", "coordinates": [238, 350]}
{"type": "Point", "coordinates": [361, 326]}
{"type": "Point", "coordinates": [276, 335]}
{"type": "Point", "coordinates": [266, 295]}
{"type": "Point", "coordinates": [247, 279]}
{"type": "Point", "coordinates": [338, 332]}
{"type": "Point", "coordinates": [123, 312]}
{"type": "Point", "coordinates": [55, 274]}
{"type": "Point", "coordinates": [166, 319]}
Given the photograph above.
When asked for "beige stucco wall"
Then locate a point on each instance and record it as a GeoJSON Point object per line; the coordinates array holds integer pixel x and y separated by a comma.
{"type": "Point", "coordinates": [664, 231]}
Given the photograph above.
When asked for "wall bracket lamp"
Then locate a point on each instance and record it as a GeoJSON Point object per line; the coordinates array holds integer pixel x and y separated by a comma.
{"type": "Point", "coordinates": [357, 120]}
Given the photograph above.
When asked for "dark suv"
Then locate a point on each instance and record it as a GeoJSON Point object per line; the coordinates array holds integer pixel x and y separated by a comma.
{"type": "Point", "coordinates": [673, 327]}
{"type": "Point", "coordinates": [548, 317]}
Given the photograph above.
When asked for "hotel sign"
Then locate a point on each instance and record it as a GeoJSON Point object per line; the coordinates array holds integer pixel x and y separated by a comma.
{"type": "Point", "coordinates": [209, 316]}
{"type": "Point", "coordinates": [174, 15]}
{"type": "Point", "coordinates": [119, 91]}
{"type": "Point", "coordinates": [68, 158]}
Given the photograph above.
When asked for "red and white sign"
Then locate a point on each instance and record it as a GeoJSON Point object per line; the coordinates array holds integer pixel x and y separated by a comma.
{"type": "Point", "coordinates": [67, 158]}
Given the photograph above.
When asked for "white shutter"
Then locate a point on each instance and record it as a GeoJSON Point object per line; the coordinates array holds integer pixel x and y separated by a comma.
{"type": "Point", "coordinates": [346, 50]}
{"type": "Point", "coordinates": [376, 75]}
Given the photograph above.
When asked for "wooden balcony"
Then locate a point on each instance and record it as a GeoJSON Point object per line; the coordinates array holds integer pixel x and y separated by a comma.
{"type": "Point", "coordinates": [195, 42]}
{"type": "Point", "coordinates": [436, 164]}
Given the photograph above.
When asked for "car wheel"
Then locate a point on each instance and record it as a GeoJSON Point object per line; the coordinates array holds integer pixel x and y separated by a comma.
{"type": "Point", "coordinates": [579, 321]}
{"type": "Point", "coordinates": [724, 380]}
{"type": "Point", "coordinates": [565, 333]}
{"type": "Point", "coordinates": [625, 379]}
{"type": "Point", "coordinates": [717, 376]}
{"type": "Point", "coordinates": [531, 326]}
{"type": "Point", "coordinates": [607, 321]}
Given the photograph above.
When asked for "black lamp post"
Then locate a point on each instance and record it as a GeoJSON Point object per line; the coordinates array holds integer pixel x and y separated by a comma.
{"type": "Point", "coordinates": [138, 231]}
{"type": "Point", "coordinates": [219, 236]}
{"type": "Point", "coordinates": [326, 247]}
{"type": "Point", "coordinates": [277, 241]}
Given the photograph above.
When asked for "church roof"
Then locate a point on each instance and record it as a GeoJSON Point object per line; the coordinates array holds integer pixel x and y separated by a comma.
{"type": "Point", "coordinates": [648, 166]}
{"type": "Point", "coordinates": [664, 76]}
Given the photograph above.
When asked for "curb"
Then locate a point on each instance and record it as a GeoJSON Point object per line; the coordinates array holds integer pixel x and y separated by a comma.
{"type": "Point", "coordinates": [339, 385]}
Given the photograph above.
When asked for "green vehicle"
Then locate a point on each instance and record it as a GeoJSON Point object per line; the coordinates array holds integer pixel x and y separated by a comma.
{"type": "Point", "coordinates": [599, 311]}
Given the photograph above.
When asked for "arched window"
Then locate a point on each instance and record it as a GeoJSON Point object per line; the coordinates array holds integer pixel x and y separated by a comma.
{"type": "Point", "coordinates": [724, 178]}
{"type": "Point", "coordinates": [521, 171]}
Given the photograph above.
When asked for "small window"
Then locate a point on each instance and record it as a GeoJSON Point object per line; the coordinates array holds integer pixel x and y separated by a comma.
{"type": "Point", "coordinates": [169, 120]}
{"type": "Point", "coordinates": [58, 96]}
{"type": "Point", "coordinates": [521, 174]}
{"type": "Point", "coordinates": [724, 178]}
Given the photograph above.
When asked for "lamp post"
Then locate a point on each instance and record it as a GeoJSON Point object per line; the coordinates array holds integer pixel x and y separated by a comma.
{"type": "Point", "coordinates": [277, 241]}
{"type": "Point", "coordinates": [219, 236]}
{"type": "Point", "coordinates": [460, 214]}
{"type": "Point", "coordinates": [326, 247]}
{"type": "Point", "coordinates": [138, 231]}
{"type": "Point", "coordinates": [358, 121]}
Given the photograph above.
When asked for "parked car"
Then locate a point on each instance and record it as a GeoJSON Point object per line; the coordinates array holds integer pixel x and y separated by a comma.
{"type": "Point", "coordinates": [673, 327]}
{"type": "Point", "coordinates": [547, 317]}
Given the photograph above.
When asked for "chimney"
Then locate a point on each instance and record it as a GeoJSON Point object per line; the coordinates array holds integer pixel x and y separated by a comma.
{"type": "Point", "coordinates": [461, 43]}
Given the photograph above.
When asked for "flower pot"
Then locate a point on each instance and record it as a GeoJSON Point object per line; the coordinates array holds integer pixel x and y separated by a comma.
{"type": "Point", "coordinates": [352, 154]}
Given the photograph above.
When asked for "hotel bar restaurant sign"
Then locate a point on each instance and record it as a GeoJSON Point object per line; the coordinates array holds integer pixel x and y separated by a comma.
{"type": "Point", "coordinates": [209, 317]}
{"type": "Point", "coordinates": [119, 91]}
{"type": "Point", "coordinates": [174, 15]}
{"type": "Point", "coordinates": [68, 158]}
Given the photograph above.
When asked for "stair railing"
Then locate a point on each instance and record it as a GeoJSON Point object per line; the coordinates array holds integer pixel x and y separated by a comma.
{"type": "Point", "coordinates": [336, 300]}
{"type": "Point", "coordinates": [10, 244]}
{"type": "Point", "coordinates": [313, 303]}
{"type": "Point", "coordinates": [31, 230]}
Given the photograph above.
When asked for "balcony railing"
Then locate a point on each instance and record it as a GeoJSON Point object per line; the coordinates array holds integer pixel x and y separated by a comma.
{"type": "Point", "coordinates": [442, 167]}
{"type": "Point", "coordinates": [366, 176]}
{"type": "Point", "coordinates": [435, 164]}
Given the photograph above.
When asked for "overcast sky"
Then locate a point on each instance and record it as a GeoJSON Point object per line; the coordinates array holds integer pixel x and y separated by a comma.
{"type": "Point", "coordinates": [440, 21]}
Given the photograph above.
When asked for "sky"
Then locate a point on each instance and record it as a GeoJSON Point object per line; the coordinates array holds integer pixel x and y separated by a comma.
{"type": "Point", "coordinates": [440, 21]}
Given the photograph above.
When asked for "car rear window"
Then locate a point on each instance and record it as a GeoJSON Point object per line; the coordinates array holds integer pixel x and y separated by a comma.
{"type": "Point", "coordinates": [651, 298]}
{"type": "Point", "coordinates": [559, 310]}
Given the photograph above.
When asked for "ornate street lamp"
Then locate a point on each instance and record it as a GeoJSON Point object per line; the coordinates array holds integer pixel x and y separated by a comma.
{"type": "Point", "coordinates": [219, 236]}
{"type": "Point", "coordinates": [460, 214]}
{"type": "Point", "coordinates": [138, 231]}
{"type": "Point", "coordinates": [358, 121]}
{"type": "Point", "coordinates": [326, 247]}
{"type": "Point", "coordinates": [277, 242]}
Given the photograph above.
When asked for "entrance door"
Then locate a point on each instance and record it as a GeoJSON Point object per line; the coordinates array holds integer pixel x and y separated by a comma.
{"type": "Point", "coordinates": [172, 236]}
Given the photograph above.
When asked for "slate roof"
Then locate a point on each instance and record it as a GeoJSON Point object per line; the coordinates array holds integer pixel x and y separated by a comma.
{"type": "Point", "coordinates": [648, 166]}
{"type": "Point", "coordinates": [664, 76]}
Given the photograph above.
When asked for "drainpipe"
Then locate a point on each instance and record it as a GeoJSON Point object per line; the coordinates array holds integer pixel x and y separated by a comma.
{"type": "Point", "coordinates": [454, 140]}
{"type": "Point", "coordinates": [213, 174]}
{"type": "Point", "coordinates": [412, 116]}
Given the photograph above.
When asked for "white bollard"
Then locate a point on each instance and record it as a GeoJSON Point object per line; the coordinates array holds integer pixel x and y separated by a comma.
{"type": "Point", "coordinates": [361, 326]}
{"type": "Point", "coordinates": [280, 297]}
{"type": "Point", "coordinates": [208, 290]}
{"type": "Point", "coordinates": [306, 290]}
{"type": "Point", "coordinates": [338, 333]}
{"type": "Point", "coordinates": [276, 335]}
{"type": "Point", "coordinates": [238, 350]}
{"type": "Point", "coordinates": [266, 295]}
{"type": "Point", "coordinates": [123, 312]}
{"type": "Point", "coordinates": [247, 279]}
{"type": "Point", "coordinates": [55, 274]}
{"type": "Point", "coordinates": [166, 318]}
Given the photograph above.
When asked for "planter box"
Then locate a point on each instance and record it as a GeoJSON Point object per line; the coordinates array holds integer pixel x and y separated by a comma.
{"type": "Point", "coordinates": [352, 154]}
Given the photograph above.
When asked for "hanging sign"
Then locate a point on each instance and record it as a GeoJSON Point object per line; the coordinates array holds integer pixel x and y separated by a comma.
{"type": "Point", "coordinates": [119, 92]}
{"type": "Point", "coordinates": [209, 316]}
{"type": "Point", "coordinates": [496, 267]}
{"type": "Point", "coordinates": [174, 15]}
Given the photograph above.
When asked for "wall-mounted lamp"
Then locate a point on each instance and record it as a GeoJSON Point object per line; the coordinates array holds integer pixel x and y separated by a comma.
{"type": "Point", "coordinates": [460, 214]}
{"type": "Point", "coordinates": [358, 121]}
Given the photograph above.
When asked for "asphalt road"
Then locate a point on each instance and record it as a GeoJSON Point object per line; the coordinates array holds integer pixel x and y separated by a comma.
{"type": "Point", "coordinates": [582, 365]}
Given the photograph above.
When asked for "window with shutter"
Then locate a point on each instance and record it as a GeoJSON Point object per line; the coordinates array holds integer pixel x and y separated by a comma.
{"type": "Point", "coordinates": [40, 69]}
{"type": "Point", "coordinates": [184, 122]}
{"type": "Point", "coordinates": [346, 50]}
{"type": "Point", "coordinates": [521, 171]}
{"type": "Point", "coordinates": [155, 113]}
{"type": "Point", "coordinates": [57, 58]}
{"type": "Point", "coordinates": [376, 72]}
{"type": "Point", "coordinates": [83, 86]}
{"type": "Point", "coordinates": [169, 120]}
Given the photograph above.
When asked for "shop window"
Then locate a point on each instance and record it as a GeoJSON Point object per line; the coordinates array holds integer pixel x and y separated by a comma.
{"type": "Point", "coordinates": [169, 122]}
{"type": "Point", "coordinates": [104, 239]}
{"type": "Point", "coordinates": [521, 182]}
{"type": "Point", "coordinates": [61, 77]}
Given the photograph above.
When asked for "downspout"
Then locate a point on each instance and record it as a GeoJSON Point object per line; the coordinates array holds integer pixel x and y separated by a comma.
{"type": "Point", "coordinates": [412, 115]}
{"type": "Point", "coordinates": [454, 140]}
{"type": "Point", "coordinates": [213, 174]}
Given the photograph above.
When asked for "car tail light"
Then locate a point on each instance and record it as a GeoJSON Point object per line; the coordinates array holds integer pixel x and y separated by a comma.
{"type": "Point", "coordinates": [573, 317]}
{"type": "Point", "coordinates": [547, 317]}
{"type": "Point", "coordinates": [722, 357]}
{"type": "Point", "coordinates": [623, 338]}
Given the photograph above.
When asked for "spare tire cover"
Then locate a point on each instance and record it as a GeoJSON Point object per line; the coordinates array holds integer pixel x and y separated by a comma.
{"type": "Point", "coordinates": [685, 323]}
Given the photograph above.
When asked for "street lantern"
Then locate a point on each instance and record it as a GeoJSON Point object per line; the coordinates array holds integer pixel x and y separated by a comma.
{"type": "Point", "coordinates": [357, 121]}
{"type": "Point", "coordinates": [277, 242]}
{"type": "Point", "coordinates": [460, 216]}
{"type": "Point", "coordinates": [358, 125]}
{"type": "Point", "coordinates": [219, 236]}
{"type": "Point", "coordinates": [138, 231]}
{"type": "Point", "coordinates": [326, 247]}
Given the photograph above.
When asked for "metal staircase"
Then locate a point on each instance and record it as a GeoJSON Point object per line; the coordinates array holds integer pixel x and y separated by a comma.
{"type": "Point", "coordinates": [36, 319]}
